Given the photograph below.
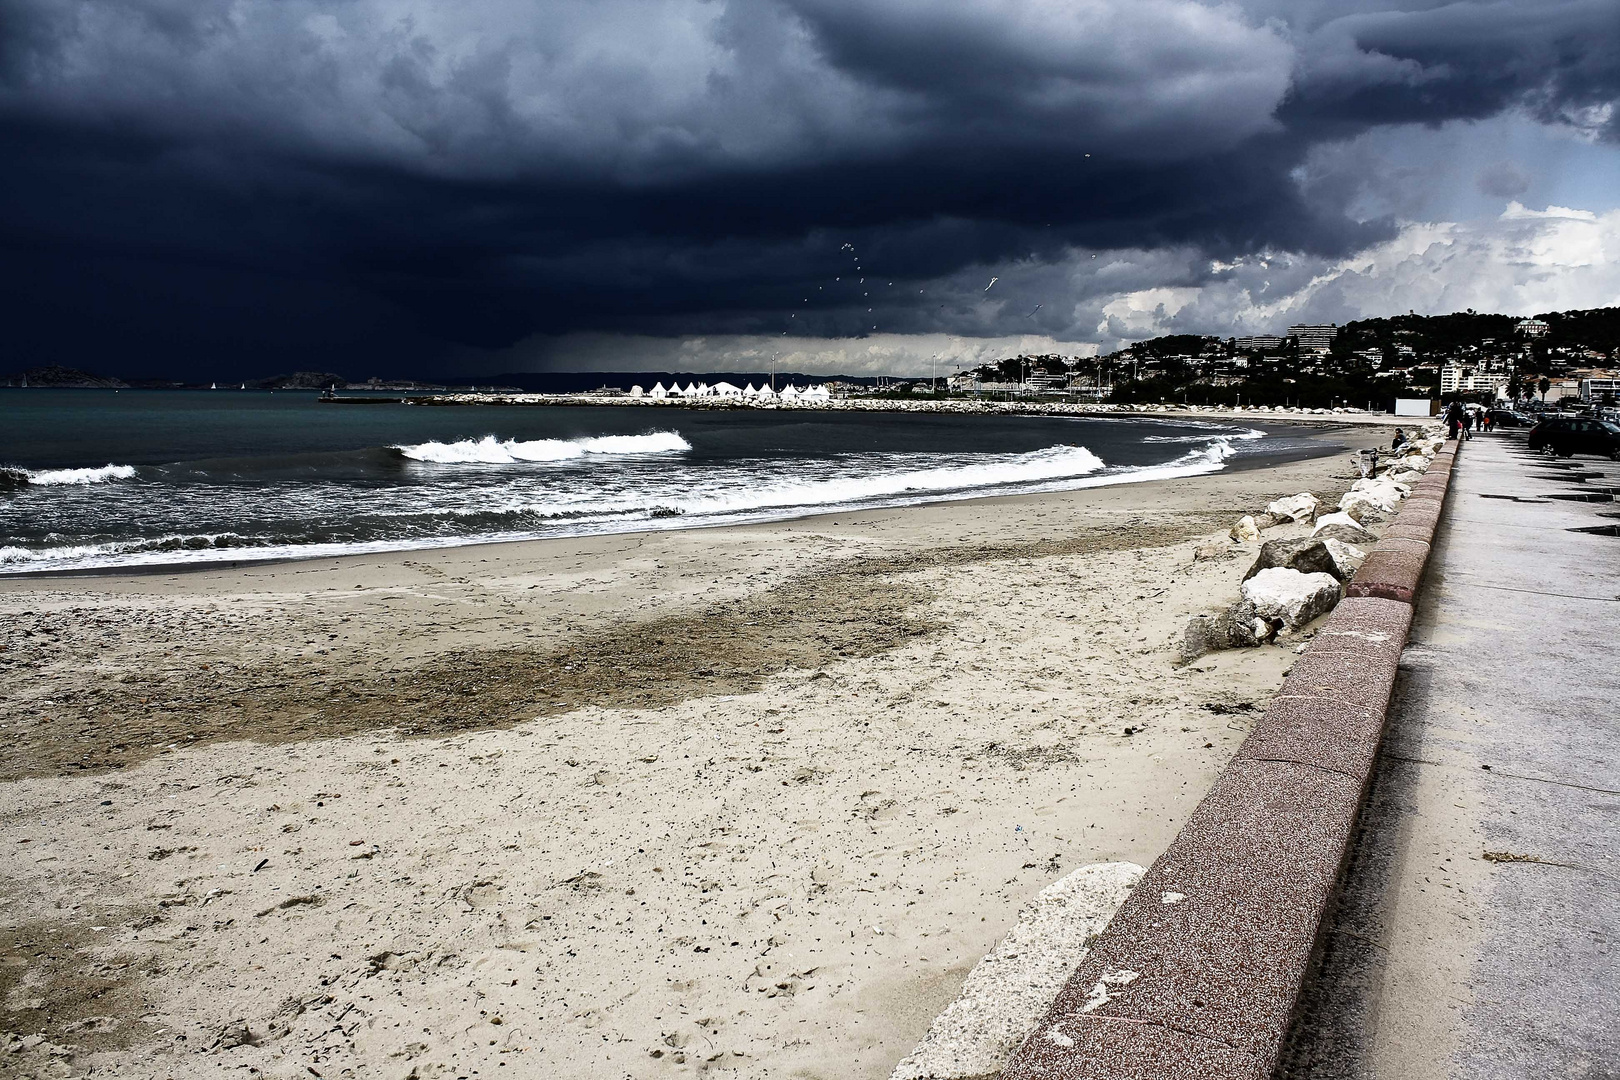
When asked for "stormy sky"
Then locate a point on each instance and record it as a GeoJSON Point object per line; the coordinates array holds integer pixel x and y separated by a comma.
{"type": "Point", "coordinates": [211, 188]}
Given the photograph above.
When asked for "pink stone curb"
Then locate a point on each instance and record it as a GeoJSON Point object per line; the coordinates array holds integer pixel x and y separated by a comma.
{"type": "Point", "coordinates": [1199, 973]}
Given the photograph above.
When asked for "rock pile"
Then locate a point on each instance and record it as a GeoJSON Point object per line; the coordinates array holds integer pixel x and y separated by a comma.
{"type": "Point", "coordinates": [1295, 580]}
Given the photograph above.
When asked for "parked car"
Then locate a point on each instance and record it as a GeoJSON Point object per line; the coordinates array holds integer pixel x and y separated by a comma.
{"type": "Point", "coordinates": [1567, 436]}
{"type": "Point", "coordinates": [1510, 418]}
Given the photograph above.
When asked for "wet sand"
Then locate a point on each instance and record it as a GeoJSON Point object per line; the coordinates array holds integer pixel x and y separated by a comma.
{"type": "Point", "coordinates": [749, 800]}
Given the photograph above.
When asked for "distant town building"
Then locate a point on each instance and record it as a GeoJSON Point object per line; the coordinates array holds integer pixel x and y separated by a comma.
{"type": "Point", "coordinates": [1597, 384]}
{"type": "Point", "coordinates": [1258, 343]}
{"type": "Point", "coordinates": [1453, 380]}
{"type": "Point", "coordinates": [1314, 338]}
{"type": "Point", "coordinates": [1532, 327]}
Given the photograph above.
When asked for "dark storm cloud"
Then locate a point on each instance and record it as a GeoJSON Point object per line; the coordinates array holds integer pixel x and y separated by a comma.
{"type": "Point", "coordinates": [310, 182]}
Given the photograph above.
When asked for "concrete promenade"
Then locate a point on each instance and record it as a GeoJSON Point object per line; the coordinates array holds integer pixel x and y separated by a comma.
{"type": "Point", "coordinates": [1476, 932]}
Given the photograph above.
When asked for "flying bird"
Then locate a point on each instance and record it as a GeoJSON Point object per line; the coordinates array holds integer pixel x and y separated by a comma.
{"type": "Point", "coordinates": [1032, 313]}
{"type": "Point", "coordinates": [992, 282]}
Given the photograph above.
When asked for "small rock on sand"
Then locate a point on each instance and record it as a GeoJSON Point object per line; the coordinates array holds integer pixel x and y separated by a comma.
{"type": "Point", "coordinates": [1245, 530]}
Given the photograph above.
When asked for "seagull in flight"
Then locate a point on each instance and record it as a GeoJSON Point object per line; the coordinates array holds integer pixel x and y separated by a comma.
{"type": "Point", "coordinates": [992, 282]}
{"type": "Point", "coordinates": [1031, 315]}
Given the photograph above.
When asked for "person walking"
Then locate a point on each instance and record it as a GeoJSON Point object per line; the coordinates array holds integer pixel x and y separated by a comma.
{"type": "Point", "coordinates": [1453, 419]}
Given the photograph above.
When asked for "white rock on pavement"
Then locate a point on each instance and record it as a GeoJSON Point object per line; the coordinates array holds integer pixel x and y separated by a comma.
{"type": "Point", "coordinates": [1291, 596]}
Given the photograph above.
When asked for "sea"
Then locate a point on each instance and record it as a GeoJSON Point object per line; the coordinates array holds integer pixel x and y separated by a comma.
{"type": "Point", "coordinates": [124, 479]}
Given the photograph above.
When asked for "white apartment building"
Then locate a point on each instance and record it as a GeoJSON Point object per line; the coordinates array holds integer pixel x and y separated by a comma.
{"type": "Point", "coordinates": [1314, 338]}
{"type": "Point", "coordinates": [1452, 380]}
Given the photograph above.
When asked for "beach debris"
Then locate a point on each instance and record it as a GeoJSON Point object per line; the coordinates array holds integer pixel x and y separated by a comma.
{"type": "Point", "coordinates": [1301, 507]}
{"type": "Point", "coordinates": [1205, 552]}
{"type": "Point", "coordinates": [1343, 527]}
{"type": "Point", "coordinates": [297, 901]}
{"type": "Point", "coordinates": [1293, 597]}
{"type": "Point", "coordinates": [1245, 530]}
{"type": "Point", "coordinates": [1306, 554]}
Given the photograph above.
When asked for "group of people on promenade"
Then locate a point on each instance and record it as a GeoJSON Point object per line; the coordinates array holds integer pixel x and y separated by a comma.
{"type": "Point", "coordinates": [1461, 419]}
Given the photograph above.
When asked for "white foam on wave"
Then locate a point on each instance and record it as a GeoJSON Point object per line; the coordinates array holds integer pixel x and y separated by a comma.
{"type": "Point", "coordinates": [1037, 466]}
{"type": "Point", "coordinates": [1242, 436]}
{"type": "Point", "coordinates": [492, 451]}
{"type": "Point", "coordinates": [52, 477]}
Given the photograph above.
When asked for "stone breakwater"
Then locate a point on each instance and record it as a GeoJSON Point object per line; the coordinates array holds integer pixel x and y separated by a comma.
{"type": "Point", "coordinates": [1296, 580]}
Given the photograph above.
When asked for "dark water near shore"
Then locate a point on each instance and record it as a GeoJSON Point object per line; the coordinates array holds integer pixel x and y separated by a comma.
{"type": "Point", "coordinates": [101, 478]}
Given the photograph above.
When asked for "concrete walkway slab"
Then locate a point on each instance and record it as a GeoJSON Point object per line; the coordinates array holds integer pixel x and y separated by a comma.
{"type": "Point", "coordinates": [1475, 936]}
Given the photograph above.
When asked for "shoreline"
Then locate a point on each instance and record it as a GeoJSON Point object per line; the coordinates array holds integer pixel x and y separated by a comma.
{"type": "Point", "coordinates": [756, 797]}
{"type": "Point", "coordinates": [1323, 432]}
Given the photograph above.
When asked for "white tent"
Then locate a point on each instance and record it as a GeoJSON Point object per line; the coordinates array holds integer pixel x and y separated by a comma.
{"type": "Point", "coordinates": [658, 391]}
{"type": "Point", "coordinates": [766, 393]}
{"type": "Point", "coordinates": [749, 391]}
{"type": "Point", "coordinates": [690, 391]}
{"type": "Point", "coordinates": [726, 390]}
{"type": "Point", "coordinates": [636, 391]}
{"type": "Point", "coordinates": [817, 393]}
{"type": "Point", "coordinates": [704, 390]}
{"type": "Point", "coordinates": [790, 393]}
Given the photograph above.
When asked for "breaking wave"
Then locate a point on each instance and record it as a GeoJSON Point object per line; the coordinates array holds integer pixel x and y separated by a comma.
{"type": "Point", "coordinates": [1246, 435]}
{"type": "Point", "coordinates": [492, 451]}
{"type": "Point", "coordinates": [54, 477]}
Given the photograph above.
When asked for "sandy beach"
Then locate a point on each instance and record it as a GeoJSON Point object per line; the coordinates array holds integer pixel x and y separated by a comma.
{"type": "Point", "coordinates": [749, 801]}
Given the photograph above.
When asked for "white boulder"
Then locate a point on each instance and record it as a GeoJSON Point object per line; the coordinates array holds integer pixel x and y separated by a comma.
{"type": "Point", "coordinates": [1245, 530]}
{"type": "Point", "coordinates": [1291, 596]}
{"type": "Point", "coordinates": [1301, 507]}
{"type": "Point", "coordinates": [1382, 483]}
{"type": "Point", "coordinates": [1347, 557]}
{"type": "Point", "coordinates": [1336, 518]}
